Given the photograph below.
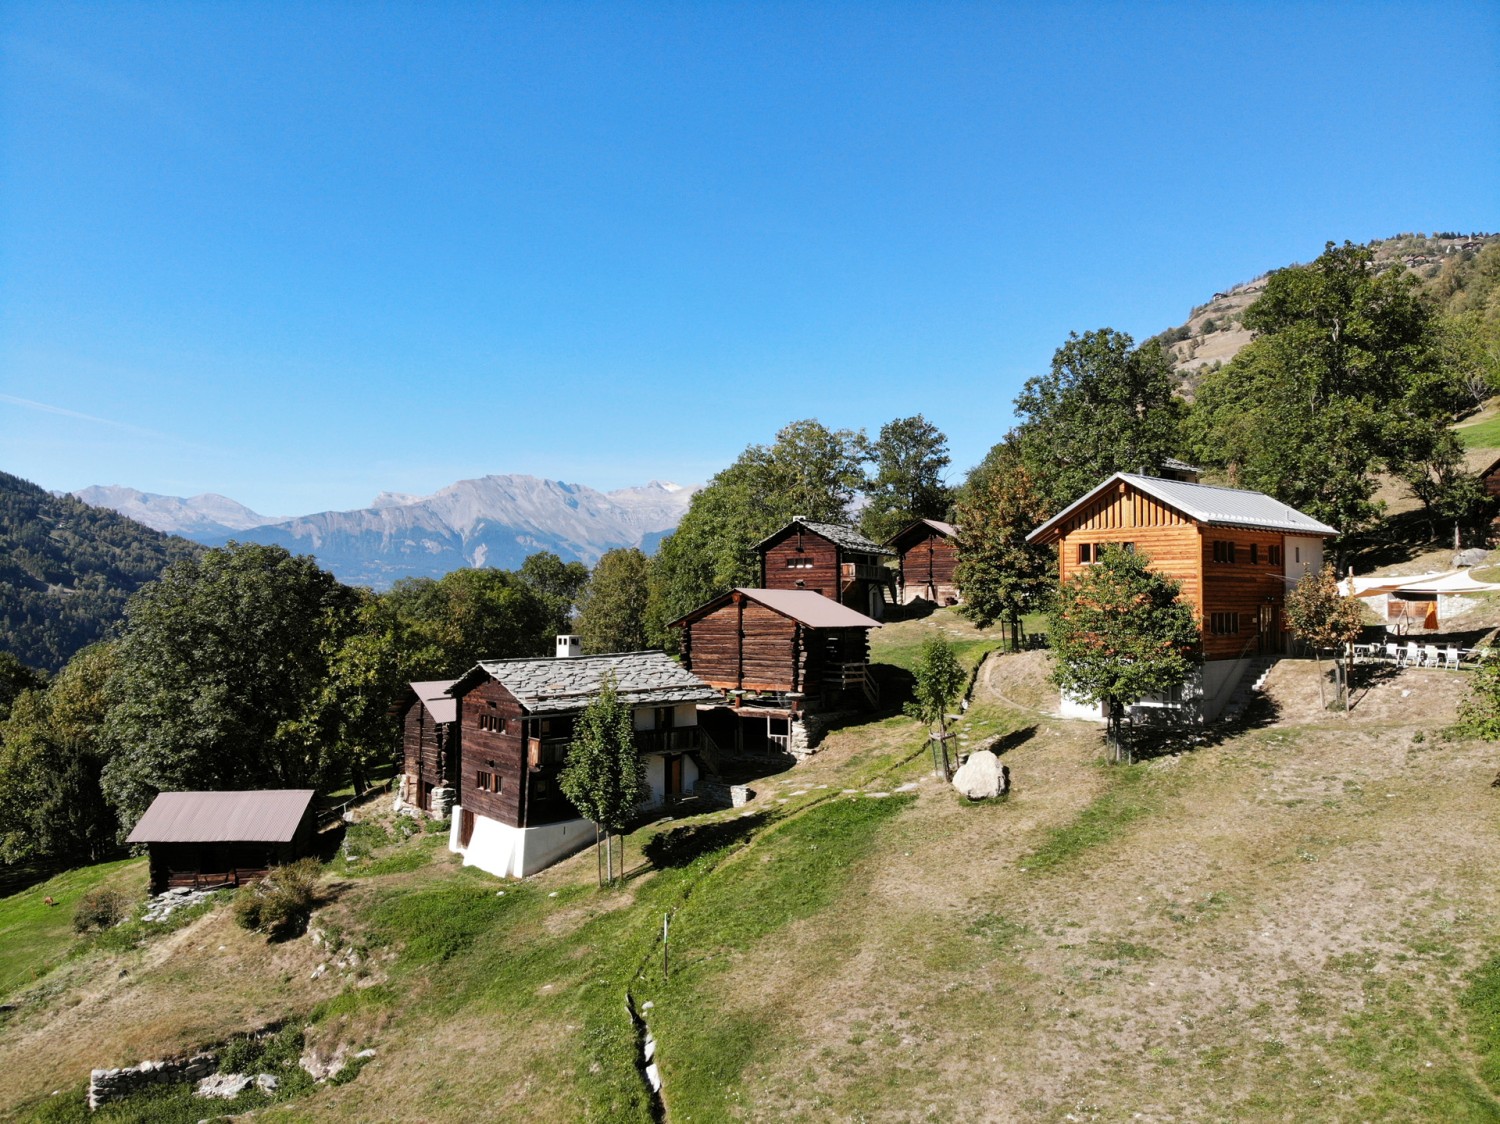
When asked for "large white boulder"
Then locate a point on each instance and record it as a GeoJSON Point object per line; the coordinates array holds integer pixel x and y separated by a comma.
{"type": "Point", "coordinates": [980, 778]}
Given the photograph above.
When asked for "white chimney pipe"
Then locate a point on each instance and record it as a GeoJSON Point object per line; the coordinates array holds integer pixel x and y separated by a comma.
{"type": "Point", "coordinates": [569, 647]}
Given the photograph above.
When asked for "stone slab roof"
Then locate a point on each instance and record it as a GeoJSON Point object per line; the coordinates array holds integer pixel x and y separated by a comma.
{"type": "Point", "coordinates": [844, 536]}
{"type": "Point", "coordinates": [558, 686]}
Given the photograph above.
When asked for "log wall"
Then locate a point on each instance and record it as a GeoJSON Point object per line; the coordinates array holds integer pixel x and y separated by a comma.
{"type": "Point", "coordinates": [797, 545]}
{"type": "Point", "coordinates": [500, 752]}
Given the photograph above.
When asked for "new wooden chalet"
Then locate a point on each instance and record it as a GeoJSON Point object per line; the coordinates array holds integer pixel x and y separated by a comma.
{"type": "Point", "coordinates": [516, 721]}
{"type": "Point", "coordinates": [211, 839]}
{"type": "Point", "coordinates": [1235, 553]}
{"type": "Point", "coordinates": [927, 553]}
{"type": "Point", "coordinates": [830, 559]}
{"type": "Point", "coordinates": [429, 751]}
{"type": "Point", "coordinates": [783, 657]}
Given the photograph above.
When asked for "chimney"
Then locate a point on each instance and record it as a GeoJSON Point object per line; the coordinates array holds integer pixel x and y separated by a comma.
{"type": "Point", "coordinates": [799, 519]}
{"type": "Point", "coordinates": [569, 647]}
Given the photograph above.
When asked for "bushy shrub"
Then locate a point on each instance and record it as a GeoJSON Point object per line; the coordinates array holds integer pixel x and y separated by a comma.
{"type": "Point", "coordinates": [362, 838]}
{"type": "Point", "coordinates": [100, 909]}
{"type": "Point", "coordinates": [279, 904]}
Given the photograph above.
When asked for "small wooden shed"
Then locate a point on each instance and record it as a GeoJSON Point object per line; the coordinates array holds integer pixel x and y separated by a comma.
{"type": "Point", "coordinates": [211, 839]}
{"type": "Point", "coordinates": [928, 550]}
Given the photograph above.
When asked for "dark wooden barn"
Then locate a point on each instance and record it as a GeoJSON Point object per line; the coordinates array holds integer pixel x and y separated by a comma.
{"type": "Point", "coordinates": [429, 746]}
{"type": "Point", "coordinates": [782, 655]}
{"type": "Point", "coordinates": [831, 559]}
{"type": "Point", "coordinates": [928, 555]}
{"type": "Point", "coordinates": [204, 839]}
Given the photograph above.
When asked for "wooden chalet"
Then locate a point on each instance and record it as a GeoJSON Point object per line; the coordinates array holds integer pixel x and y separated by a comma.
{"type": "Point", "coordinates": [782, 656]}
{"type": "Point", "coordinates": [927, 554]}
{"type": "Point", "coordinates": [830, 559]}
{"type": "Point", "coordinates": [516, 718]}
{"type": "Point", "coordinates": [429, 750]}
{"type": "Point", "coordinates": [1234, 552]}
{"type": "Point", "coordinates": [212, 839]}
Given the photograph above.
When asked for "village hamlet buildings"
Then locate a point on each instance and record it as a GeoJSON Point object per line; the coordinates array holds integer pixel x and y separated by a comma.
{"type": "Point", "coordinates": [204, 840]}
{"type": "Point", "coordinates": [429, 748]}
{"type": "Point", "coordinates": [1235, 553]}
{"type": "Point", "coordinates": [831, 559]}
{"type": "Point", "coordinates": [516, 720]}
{"type": "Point", "coordinates": [927, 555]}
{"type": "Point", "coordinates": [786, 659]}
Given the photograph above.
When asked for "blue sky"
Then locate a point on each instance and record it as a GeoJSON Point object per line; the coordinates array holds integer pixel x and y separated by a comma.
{"type": "Point", "coordinates": [298, 254]}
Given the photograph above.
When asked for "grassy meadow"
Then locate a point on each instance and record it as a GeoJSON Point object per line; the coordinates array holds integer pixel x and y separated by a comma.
{"type": "Point", "coordinates": [1296, 919]}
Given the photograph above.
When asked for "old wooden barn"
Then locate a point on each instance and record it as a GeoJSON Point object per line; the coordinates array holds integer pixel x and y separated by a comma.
{"type": "Point", "coordinates": [783, 656]}
{"type": "Point", "coordinates": [927, 555]}
{"type": "Point", "coordinates": [829, 559]}
{"type": "Point", "coordinates": [203, 839]}
{"type": "Point", "coordinates": [429, 747]}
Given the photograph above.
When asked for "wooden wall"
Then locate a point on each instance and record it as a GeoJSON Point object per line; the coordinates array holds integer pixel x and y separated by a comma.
{"type": "Point", "coordinates": [765, 658]}
{"type": "Point", "coordinates": [929, 561]}
{"type": "Point", "coordinates": [1184, 551]}
{"type": "Point", "coordinates": [796, 544]}
{"type": "Point", "coordinates": [493, 751]}
{"type": "Point", "coordinates": [421, 742]}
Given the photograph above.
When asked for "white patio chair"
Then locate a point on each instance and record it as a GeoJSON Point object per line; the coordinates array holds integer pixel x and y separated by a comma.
{"type": "Point", "coordinates": [1430, 657]}
{"type": "Point", "coordinates": [1413, 655]}
{"type": "Point", "coordinates": [1450, 657]}
{"type": "Point", "coordinates": [1393, 653]}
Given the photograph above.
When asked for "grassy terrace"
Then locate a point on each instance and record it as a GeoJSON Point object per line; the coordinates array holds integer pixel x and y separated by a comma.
{"type": "Point", "coordinates": [1296, 922]}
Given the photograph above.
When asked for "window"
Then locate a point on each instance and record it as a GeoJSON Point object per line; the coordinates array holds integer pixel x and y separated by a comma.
{"type": "Point", "coordinates": [486, 781]}
{"type": "Point", "coordinates": [799, 562]}
{"type": "Point", "coordinates": [1128, 547]}
{"type": "Point", "coordinates": [1298, 549]}
{"type": "Point", "coordinates": [492, 722]}
{"type": "Point", "coordinates": [1273, 555]}
{"type": "Point", "coordinates": [1223, 551]}
{"type": "Point", "coordinates": [1085, 553]}
{"type": "Point", "coordinates": [1255, 554]}
{"type": "Point", "coordinates": [1224, 624]}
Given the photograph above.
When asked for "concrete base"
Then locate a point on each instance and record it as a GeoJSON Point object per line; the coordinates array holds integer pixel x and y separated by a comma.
{"type": "Point", "coordinates": [517, 852]}
{"type": "Point", "coordinates": [1203, 698]}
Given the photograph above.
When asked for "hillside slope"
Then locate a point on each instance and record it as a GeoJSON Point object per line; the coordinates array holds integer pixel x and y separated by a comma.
{"type": "Point", "coordinates": [1294, 921]}
{"type": "Point", "coordinates": [1460, 272]}
{"type": "Point", "coordinates": [66, 570]}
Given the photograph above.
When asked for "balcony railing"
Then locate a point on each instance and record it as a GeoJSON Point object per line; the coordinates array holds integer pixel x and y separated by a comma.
{"type": "Point", "coordinates": [679, 739]}
{"type": "Point", "coordinates": [864, 571]}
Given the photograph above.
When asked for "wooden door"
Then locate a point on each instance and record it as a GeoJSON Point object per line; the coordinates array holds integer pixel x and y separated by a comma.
{"type": "Point", "coordinates": [672, 775]}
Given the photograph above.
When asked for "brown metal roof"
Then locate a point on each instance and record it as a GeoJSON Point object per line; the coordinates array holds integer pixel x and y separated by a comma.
{"type": "Point", "coordinates": [434, 695]}
{"type": "Point", "coordinates": [901, 539]}
{"type": "Point", "coordinates": [268, 816]}
{"type": "Point", "coordinates": [801, 605]}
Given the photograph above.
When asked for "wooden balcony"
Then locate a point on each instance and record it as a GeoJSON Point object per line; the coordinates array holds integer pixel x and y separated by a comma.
{"type": "Point", "coordinates": [864, 571]}
{"type": "Point", "coordinates": [679, 739]}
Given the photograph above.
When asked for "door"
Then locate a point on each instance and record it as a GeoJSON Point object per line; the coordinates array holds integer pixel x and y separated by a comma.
{"type": "Point", "coordinates": [672, 776]}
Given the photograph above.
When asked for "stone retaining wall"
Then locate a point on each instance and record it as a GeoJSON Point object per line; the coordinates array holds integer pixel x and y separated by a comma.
{"type": "Point", "coordinates": [107, 1085]}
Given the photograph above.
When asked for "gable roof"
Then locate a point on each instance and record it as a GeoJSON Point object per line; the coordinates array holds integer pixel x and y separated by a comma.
{"type": "Point", "coordinates": [269, 816]}
{"type": "Point", "coordinates": [1203, 503]}
{"type": "Point", "coordinates": [801, 605]}
{"type": "Point", "coordinates": [561, 685]}
{"type": "Point", "coordinates": [917, 530]}
{"type": "Point", "coordinates": [434, 695]}
{"type": "Point", "coordinates": [838, 533]}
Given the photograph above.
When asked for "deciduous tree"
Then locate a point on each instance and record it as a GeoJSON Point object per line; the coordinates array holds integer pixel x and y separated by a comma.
{"type": "Point", "coordinates": [1000, 575]}
{"type": "Point", "coordinates": [1323, 617]}
{"type": "Point", "coordinates": [1120, 632]}
{"type": "Point", "coordinates": [909, 458]}
{"type": "Point", "coordinates": [940, 680]}
{"type": "Point", "coordinates": [604, 777]}
{"type": "Point", "coordinates": [612, 609]}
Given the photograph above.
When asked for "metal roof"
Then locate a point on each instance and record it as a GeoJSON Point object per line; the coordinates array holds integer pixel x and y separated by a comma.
{"type": "Point", "coordinates": [434, 695]}
{"type": "Point", "coordinates": [269, 816]}
{"type": "Point", "coordinates": [844, 536]}
{"type": "Point", "coordinates": [801, 605]}
{"type": "Point", "coordinates": [947, 530]}
{"type": "Point", "coordinates": [563, 685]}
{"type": "Point", "coordinates": [1203, 503]}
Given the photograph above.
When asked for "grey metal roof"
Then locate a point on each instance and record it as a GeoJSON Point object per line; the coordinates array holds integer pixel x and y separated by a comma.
{"type": "Point", "coordinates": [561, 685]}
{"type": "Point", "coordinates": [269, 816]}
{"type": "Point", "coordinates": [845, 536]}
{"type": "Point", "coordinates": [1204, 503]}
{"type": "Point", "coordinates": [434, 695]}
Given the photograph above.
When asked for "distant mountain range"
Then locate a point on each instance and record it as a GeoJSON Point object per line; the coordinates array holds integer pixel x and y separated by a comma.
{"type": "Point", "coordinates": [491, 521]}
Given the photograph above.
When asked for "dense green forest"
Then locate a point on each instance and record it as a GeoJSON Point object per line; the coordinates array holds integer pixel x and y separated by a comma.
{"type": "Point", "coordinates": [66, 570]}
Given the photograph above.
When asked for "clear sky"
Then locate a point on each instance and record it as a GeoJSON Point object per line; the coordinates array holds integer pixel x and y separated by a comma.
{"type": "Point", "coordinates": [302, 253]}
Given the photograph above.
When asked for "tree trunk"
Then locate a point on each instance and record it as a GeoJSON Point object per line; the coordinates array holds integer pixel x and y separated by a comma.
{"type": "Point", "coordinates": [609, 854]}
{"type": "Point", "coordinates": [1317, 663]}
{"type": "Point", "coordinates": [598, 857]}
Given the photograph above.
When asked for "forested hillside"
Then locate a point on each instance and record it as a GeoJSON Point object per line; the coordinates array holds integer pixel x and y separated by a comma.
{"type": "Point", "coordinates": [66, 569]}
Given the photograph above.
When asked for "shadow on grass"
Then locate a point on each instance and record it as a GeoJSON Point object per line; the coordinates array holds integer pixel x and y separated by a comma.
{"type": "Point", "coordinates": [1167, 737]}
{"type": "Point", "coordinates": [682, 845]}
{"type": "Point", "coordinates": [1007, 742]}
